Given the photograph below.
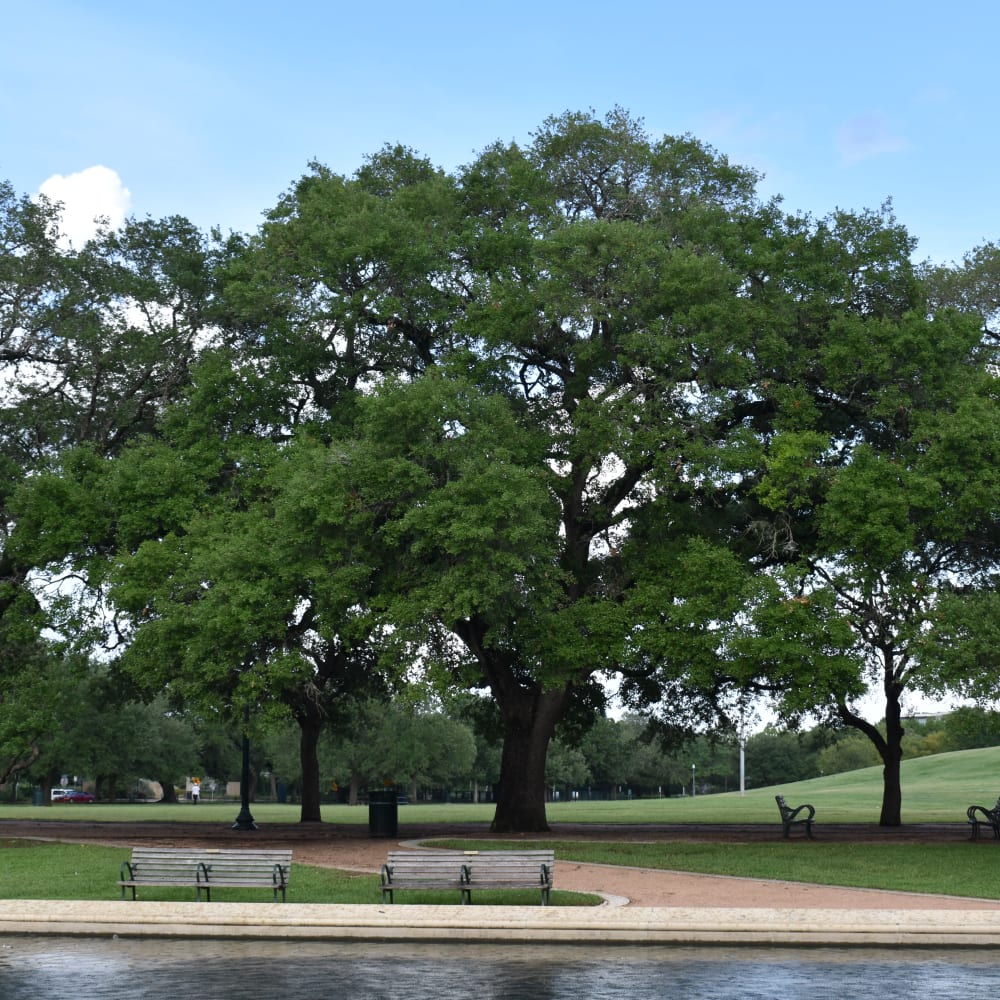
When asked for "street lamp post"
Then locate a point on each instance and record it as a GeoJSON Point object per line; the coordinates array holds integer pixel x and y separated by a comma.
{"type": "Point", "coordinates": [245, 820]}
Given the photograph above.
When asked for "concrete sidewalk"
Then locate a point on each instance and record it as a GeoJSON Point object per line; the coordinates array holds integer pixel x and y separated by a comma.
{"type": "Point", "coordinates": [496, 924]}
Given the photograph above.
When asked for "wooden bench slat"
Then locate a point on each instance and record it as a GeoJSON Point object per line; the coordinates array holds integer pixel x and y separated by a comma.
{"type": "Point", "coordinates": [207, 868]}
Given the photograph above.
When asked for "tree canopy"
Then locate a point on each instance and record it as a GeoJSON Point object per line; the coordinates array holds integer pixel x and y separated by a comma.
{"type": "Point", "coordinates": [581, 409]}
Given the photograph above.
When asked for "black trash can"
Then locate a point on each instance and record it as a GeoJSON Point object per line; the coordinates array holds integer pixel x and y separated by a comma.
{"type": "Point", "coordinates": [38, 797]}
{"type": "Point", "coordinates": [383, 813]}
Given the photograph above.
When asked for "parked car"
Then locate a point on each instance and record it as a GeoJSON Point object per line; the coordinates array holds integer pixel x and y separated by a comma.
{"type": "Point", "coordinates": [57, 793]}
{"type": "Point", "coordinates": [73, 795]}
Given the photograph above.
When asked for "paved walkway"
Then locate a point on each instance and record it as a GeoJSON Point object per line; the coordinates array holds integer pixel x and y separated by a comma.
{"type": "Point", "coordinates": [607, 925]}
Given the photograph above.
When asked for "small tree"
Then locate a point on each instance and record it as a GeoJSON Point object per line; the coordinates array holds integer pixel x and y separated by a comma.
{"type": "Point", "coordinates": [848, 753]}
{"type": "Point", "coordinates": [969, 727]}
{"type": "Point", "coordinates": [775, 757]}
{"type": "Point", "coordinates": [904, 551]}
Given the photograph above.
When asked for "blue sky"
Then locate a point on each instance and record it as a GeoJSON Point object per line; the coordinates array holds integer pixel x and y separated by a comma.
{"type": "Point", "coordinates": [212, 109]}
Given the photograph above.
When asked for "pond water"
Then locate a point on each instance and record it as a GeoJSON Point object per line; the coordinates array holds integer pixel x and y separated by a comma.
{"type": "Point", "coordinates": [93, 968]}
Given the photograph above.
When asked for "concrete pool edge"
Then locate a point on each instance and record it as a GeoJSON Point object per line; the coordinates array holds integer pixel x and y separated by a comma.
{"type": "Point", "coordinates": [496, 924]}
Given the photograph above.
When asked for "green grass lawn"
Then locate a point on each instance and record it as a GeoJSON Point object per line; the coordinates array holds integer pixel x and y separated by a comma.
{"type": "Point", "coordinates": [43, 870]}
{"type": "Point", "coordinates": [935, 789]}
{"type": "Point", "coordinates": [960, 869]}
{"type": "Point", "coordinates": [36, 870]}
{"type": "Point", "coordinates": [33, 870]}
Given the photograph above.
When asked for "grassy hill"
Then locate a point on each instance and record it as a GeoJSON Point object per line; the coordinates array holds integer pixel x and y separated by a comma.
{"type": "Point", "coordinates": [935, 789]}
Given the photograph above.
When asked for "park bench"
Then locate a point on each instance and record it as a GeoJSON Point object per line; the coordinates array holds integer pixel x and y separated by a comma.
{"type": "Point", "coordinates": [468, 870]}
{"type": "Point", "coordinates": [981, 816]}
{"type": "Point", "coordinates": [510, 870]}
{"type": "Point", "coordinates": [204, 869]}
{"type": "Point", "coordinates": [404, 870]}
{"type": "Point", "coordinates": [799, 816]}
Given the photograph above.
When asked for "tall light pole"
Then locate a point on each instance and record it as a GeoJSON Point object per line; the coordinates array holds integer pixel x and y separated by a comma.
{"type": "Point", "coordinates": [245, 820]}
{"type": "Point", "coordinates": [745, 721]}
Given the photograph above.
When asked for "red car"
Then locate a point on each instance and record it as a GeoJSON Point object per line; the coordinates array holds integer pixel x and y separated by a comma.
{"type": "Point", "coordinates": [72, 795]}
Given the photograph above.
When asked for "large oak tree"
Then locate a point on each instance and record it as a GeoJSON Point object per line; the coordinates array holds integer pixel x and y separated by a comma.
{"type": "Point", "coordinates": [670, 358]}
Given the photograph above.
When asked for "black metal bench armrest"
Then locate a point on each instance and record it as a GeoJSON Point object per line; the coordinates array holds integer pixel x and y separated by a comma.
{"type": "Point", "coordinates": [794, 812]}
{"type": "Point", "coordinates": [986, 817]}
{"type": "Point", "coordinates": [989, 815]}
{"type": "Point", "coordinates": [790, 816]}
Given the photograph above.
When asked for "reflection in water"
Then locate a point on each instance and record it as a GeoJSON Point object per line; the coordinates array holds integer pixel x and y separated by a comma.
{"type": "Point", "coordinates": [90, 969]}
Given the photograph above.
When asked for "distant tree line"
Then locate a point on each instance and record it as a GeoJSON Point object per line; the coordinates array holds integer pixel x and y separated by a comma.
{"type": "Point", "coordinates": [431, 755]}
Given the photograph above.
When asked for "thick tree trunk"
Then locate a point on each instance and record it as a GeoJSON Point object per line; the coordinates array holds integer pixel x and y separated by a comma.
{"type": "Point", "coordinates": [529, 714]}
{"type": "Point", "coordinates": [50, 781]}
{"type": "Point", "coordinates": [529, 718]}
{"type": "Point", "coordinates": [309, 732]}
{"type": "Point", "coordinates": [892, 756]}
{"type": "Point", "coordinates": [892, 795]}
{"type": "Point", "coordinates": [169, 795]}
{"type": "Point", "coordinates": [106, 787]}
{"type": "Point", "coordinates": [889, 747]}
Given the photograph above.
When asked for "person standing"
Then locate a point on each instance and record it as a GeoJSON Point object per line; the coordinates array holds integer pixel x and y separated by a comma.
{"type": "Point", "coordinates": [195, 790]}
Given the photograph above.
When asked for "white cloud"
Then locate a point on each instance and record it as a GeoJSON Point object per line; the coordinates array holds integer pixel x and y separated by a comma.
{"type": "Point", "coordinates": [94, 193]}
{"type": "Point", "coordinates": [867, 135]}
